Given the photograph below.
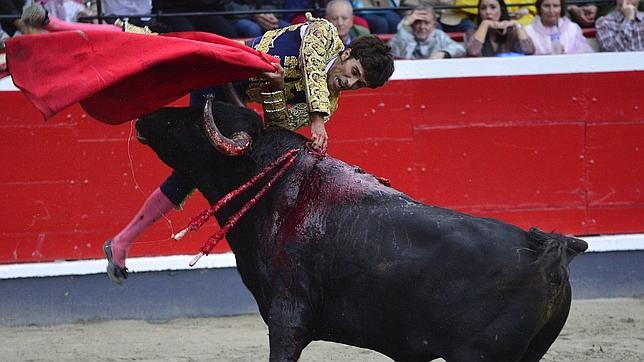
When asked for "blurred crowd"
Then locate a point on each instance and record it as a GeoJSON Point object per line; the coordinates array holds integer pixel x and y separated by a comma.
{"type": "Point", "coordinates": [416, 29]}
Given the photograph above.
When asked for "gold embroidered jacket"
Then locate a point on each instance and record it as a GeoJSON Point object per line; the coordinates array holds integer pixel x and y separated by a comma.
{"type": "Point", "coordinates": [304, 50]}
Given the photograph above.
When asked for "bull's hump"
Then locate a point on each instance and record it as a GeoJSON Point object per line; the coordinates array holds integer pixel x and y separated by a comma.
{"type": "Point", "coordinates": [342, 180]}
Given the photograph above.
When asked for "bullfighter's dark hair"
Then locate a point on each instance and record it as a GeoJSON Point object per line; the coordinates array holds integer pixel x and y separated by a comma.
{"type": "Point", "coordinates": [375, 57]}
{"type": "Point", "coordinates": [562, 13]}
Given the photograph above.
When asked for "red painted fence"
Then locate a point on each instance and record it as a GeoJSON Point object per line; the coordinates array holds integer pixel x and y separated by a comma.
{"type": "Point", "coordinates": [499, 137]}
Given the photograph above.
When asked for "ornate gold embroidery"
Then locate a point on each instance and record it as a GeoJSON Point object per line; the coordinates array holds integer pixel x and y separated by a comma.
{"type": "Point", "coordinates": [320, 44]}
{"type": "Point", "coordinates": [291, 67]}
{"type": "Point", "coordinates": [129, 28]}
{"type": "Point", "coordinates": [269, 37]}
{"type": "Point", "coordinates": [298, 116]}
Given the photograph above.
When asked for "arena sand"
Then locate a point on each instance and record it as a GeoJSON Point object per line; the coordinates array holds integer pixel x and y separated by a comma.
{"type": "Point", "coordinates": [597, 330]}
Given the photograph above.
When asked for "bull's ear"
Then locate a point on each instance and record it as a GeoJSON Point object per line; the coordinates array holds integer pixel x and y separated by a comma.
{"type": "Point", "coordinates": [237, 145]}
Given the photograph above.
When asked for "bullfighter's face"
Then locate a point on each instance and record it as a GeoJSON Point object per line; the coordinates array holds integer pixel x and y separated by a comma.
{"type": "Point", "coordinates": [345, 74]}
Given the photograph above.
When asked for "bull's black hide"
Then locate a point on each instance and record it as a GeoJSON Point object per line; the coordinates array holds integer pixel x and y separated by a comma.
{"type": "Point", "coordinates": [332, 254]}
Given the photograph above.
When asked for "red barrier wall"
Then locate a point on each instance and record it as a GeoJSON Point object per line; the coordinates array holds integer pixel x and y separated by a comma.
{"type": "Point", "coordinates": [561, 151]}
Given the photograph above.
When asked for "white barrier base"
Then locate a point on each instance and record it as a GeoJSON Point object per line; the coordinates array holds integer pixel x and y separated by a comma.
{"type": "Point", "coordinates": [602, 243]}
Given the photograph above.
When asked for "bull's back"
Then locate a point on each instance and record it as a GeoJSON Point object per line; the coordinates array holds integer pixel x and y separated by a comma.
{"type": "Point", "coordinates": [421, 273]}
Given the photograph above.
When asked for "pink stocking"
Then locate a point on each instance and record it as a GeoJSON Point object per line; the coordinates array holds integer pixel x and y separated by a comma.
{"type": "Point", "coordinates": [156, 205]}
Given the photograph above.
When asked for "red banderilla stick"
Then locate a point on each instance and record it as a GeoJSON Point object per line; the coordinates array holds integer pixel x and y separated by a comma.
{"type": "Point", "coordinates": [197, 222]}
{"type": "Point", "coordinates": [213, 240]}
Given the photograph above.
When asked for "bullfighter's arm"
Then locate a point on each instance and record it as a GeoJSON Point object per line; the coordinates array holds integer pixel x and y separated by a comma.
{"type": "Point", "coordinates": [320, 43]}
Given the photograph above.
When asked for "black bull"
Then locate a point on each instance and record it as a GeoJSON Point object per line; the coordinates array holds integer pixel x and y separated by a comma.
{"type": "Point", "coordinates": [332, 254]}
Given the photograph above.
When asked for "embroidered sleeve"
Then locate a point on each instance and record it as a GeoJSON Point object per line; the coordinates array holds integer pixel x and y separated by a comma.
{"type": "Point", "coordinates": [319, 44]}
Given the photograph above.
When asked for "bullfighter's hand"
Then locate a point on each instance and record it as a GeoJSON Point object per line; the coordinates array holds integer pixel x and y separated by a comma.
{"type": "Point", "coordinates": [319, 137]}
{"type": "Point", "coordinates": [275, 79]}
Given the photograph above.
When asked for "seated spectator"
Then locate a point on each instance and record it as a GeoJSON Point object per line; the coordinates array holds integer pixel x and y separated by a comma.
{"type": "Point", "coordinates": [254, 25]}
{"type": "Point", "coordinates": [124, 7]}
{"type": "Point", "coordinates": [340, 14]}
{"type": "Point", "coordinates": [449, 20]}
{"type": "Point", "coordinates": [457, 20]}
{"type": "Point", "coordinates": [296, 18]}
{"type": "Point", "coordinates": [217, 24]}
{"type": "Point", "coordinates": [380, 21]}
{"type": "Point", "coordinates": [496, 34]}
{"type": "Point", "coordinates": [585, 14]}
{"type": "Point", "coordinates": [418, 38]}
{"type": "Point", "coordinates": [622, 30]}
{"type": "Point", "coordinates": [133, 12]}
{"type": "Point", "coordinates": [523, 14]}
{"type": "Point", "coordinates": [67, 10]}
{"type": "Point", "coordinates": [553, 33]}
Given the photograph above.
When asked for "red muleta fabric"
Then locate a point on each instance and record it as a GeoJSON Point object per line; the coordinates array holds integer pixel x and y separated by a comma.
{"type": "Point", "coordinates": [121, 76]}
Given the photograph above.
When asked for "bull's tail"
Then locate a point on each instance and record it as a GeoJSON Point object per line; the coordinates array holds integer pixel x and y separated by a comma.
{"type": "Point", "coordinates": [554, 253]}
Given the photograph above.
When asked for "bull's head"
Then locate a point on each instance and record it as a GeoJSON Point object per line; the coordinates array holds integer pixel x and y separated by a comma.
{"type": "Point", "coordinates": [178, 138]}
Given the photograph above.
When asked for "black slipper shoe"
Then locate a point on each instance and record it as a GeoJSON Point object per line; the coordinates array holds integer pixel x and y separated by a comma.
{"type": "Point", "coordinates": [115, 272]}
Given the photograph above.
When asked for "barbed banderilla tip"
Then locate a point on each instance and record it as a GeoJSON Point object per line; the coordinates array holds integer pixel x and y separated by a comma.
{"type": "Point", "coordinates": [180, 234]}
{"type": "Point", "coordinates": [195, 259]}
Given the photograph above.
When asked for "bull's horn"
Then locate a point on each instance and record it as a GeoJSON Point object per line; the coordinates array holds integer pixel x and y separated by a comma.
{"type": "Point", "coordinates": [236, 146]}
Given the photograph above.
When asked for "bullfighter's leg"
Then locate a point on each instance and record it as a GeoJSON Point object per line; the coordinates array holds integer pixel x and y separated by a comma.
{"type": "Point", "coordinates": [154, 207]}
{"type": "Point", "coordinates": [288, 329]}
{"type": "Point", "coordinates": [169, 195]}
{"type": "Point", "coordinates": [547, 335]}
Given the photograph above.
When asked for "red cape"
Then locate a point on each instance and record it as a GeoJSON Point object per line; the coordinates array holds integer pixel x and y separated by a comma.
{"type": "Point", "coordinates": [120, 76]}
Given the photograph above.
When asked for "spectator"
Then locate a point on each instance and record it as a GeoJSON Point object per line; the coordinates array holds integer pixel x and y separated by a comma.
{"type": "Point", "coordinates": [449, 20]}
{"type": "Point", "coordinates": [456, 20]}
{"type": "Point", "coordinates": [418, 38]}
{"type": "Point", "coordinates": [496, 34]}
{"type": "Point", "coordinates": [254, 25]}
{"type": "Point", "coordinates": [583, 14]}
{"type": "Point", "coordinates": [340, 14]}
{"type": "Point", "coordinates": [553, 33]}
{"type": "Point", "coordinates": [380, 21]}
{"type": "Point", "coordinates": [523, 14]}
{"type": "Point", "coordinates": [68, 10]}
{"type": "Point", "coordinates": [125, 7]}
{"type": "Point", "coordinates": [216, 24]}
{"type": "Point", "coordinates": [622, 30]}
{"type": "Point", "coordinates": [296, 18]}
{"type": "Point", "coordinates": [12, 7]}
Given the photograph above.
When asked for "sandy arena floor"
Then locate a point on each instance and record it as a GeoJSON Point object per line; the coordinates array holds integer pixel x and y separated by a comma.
{"type": "Point", "coordinates": [597, 330]}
